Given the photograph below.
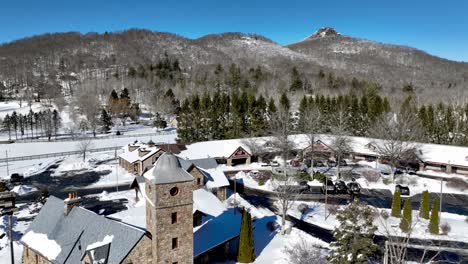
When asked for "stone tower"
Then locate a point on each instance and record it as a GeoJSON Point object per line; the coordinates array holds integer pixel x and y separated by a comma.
{"type": "Point", "coordinates": [169, 216]}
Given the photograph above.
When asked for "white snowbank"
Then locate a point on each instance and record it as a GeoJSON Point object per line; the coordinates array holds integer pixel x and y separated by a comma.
{"type": "Point", "coordinates": [23, 189]}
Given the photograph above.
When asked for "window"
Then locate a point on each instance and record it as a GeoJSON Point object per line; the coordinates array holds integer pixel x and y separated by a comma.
{"type": "Point", "coordinates": [174, 191]}
{"type": "Point", "coordinates": [174, 218]}
{"type": "Point", "coordinates": [175, 243]}
{"type": "Point", "coordinates": [198, 181]}
{"type": "Point", "coordinates": [175, 262]}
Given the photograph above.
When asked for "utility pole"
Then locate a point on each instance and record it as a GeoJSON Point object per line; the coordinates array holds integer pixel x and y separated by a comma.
{"type": "Point", "coordinates": [11, 239]}
{"type": "Point", "coordinates": [326, 195]}
{"type": "Point", "coordinates": [7, 167]}
{"type": "Point", "coordinates": [440, 205]}
{"type": "Point", "coordinates": [116, 170]}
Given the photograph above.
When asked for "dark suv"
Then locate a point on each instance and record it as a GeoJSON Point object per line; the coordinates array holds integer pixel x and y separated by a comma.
{"type": "Point", "coordinates": [16, 177]}
{"type": "Point", "coordinates": [330, 187]}
{"type": "Point", "coordinates": [341, 187]}
{"type": "Point", "coordinates": [354, 188]}
{"type": "Point", "coordinates": [404, 190]}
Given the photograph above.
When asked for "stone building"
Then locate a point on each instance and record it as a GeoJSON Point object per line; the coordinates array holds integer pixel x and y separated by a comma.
{"type": "Point", "coordinates": [138, 158]}
{"type": "Point", "coordinates": [169, 205]}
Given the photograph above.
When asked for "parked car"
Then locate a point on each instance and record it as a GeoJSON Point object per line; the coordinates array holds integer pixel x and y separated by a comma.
{"type": "Point", "coordinates": [274, 164]}
{"type": "Point", "coordinates": [404, 190]}
{"type": "Point", "coordinates": [340, 187]}
{"type": "Point", "coordinates": [295, 163]}
{"type": "Point", "coordinates": [330, 187]}
{"type": "Point", "coordinates": [331, 163]}
{"type": "Point", "coordinates": [343, 163]}
{"type": "Point", "coordinates": [318, 163]}
{"type": "Point", "coordinates": [16, 177]}
{"type": "Point", "coordinates": [354, 188]}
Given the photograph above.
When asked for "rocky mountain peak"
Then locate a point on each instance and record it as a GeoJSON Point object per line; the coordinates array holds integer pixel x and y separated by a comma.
{"type": "Point", "coordinates": [324, 32]}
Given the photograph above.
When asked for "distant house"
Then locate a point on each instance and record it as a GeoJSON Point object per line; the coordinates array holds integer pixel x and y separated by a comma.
{"type": "Point", "coordinates": [229, 152]}
{"type": "Point", "coordinates": [138, 158]}
{"type": "Point", "coordinates": [320, 149]}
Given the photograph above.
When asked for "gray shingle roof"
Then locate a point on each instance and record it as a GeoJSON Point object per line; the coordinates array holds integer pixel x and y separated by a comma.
{"type": "Point", "coordinates": [207, 163]}
{"type": "Point", "coordinates": [82, 228]}
{"type": "Point", "coordinates": [168, 169]}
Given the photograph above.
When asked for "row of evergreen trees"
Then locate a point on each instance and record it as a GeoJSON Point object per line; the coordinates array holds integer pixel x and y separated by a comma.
{"type": "Point", "coordinates": [224, 116]}
{"type": "Point", "coordinates": [122, 106]}
{"type": "Point", "coordinates": [445, 124]}
{"type": "Point", "coordinates": [407, 217]}
{"type": "Point", "coordinates": [34, 124]}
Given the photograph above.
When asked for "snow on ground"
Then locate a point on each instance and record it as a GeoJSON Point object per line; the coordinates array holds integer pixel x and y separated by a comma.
{"type": "Point", "coordinates": [270, 245]}
{"type": "Point", "coordinates": [36, 148]}
{"type": "Point", "coordinates": [26, 167]}
{"type": "Point", "coordinates": [316, 215]}
{"type": "Point", "coordinates": [19, 227]}
{"type": "Point", "coordinates": [11, 106]}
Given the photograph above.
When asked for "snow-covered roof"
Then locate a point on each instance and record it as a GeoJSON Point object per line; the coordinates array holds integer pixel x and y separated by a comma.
{"type": "Point", "coordinates": [167, 169]}
{"type": "Point", "coordinates": [207, 203]}
{"type": "Point", "coordinates": [215, 178]}
{"type": "Point", "coordinates": [54, 234]}
{"type": "Point", "coordinates": [213, 149]}
{"type": "Point", "coordinates": [133, 156]}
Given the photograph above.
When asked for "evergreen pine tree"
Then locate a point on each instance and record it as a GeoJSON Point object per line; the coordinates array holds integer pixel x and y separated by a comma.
{"type": "Point", "coordinates": [424, 206]}
{"type": "Point", "coordinates": [7, 125]}
{"type": "Point", "coordinates": [354, 243]}
{"type": "Point", "coordinates": [406, 220]}
{"type": "Point", "coordinates": [296, 82]}
{"type": "Point", "coordinates": [434, 222]}
{"type": "Point", "coordinates": [106, 121]}
{"type": "Point", "coordinates": [396, 204]}
{"type": "Point", "coordinates": [246, 252]}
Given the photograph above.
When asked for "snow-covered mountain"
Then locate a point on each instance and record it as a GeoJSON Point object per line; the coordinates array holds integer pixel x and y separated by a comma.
{"type": "Point", "coordinates": [391, 65]}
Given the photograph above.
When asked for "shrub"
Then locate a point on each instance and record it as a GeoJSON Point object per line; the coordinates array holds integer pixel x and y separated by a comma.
{"type": "Point", "coordinates": [424, 206]}
{"type": "Point", "coordinates": [434, 222]}
{"type": "Point", "coordinates": [305, 176]}
{"type": "Point", "coordinates": [387, 181]}
{"type": "Point", "coordinates": [261, 176]}
{"type": "Point", "coordinates": [396, 204]}
{"type": "Point", "coordinates": [371, 175]}
{"type": "Point", "coordinates": [320, 177]}
{"type": "Point", "coordinates": [246, 251]}
{"type": "Point", "coordinates": [445, 228]}
{"type": "Point", "coordinates": [407, 219]}
{"type": "Point", "coordinates": [302, 208]}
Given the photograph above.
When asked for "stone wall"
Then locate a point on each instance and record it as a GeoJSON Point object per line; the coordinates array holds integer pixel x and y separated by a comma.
{"type": "Point", "coordinates": [198, 177]}
{"type": "Point", "coordinates": [159, 221]}
{"type": "Point", "coordinates": [31, 257]}
{"type": "Point", "coordinates": [141, 253]}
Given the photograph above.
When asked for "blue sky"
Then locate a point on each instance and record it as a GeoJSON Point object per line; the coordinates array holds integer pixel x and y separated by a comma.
{"type": "Point", "coordinates": [438, 27]}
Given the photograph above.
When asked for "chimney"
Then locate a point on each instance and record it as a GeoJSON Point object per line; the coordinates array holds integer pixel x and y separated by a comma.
{"type": "Point", "coordinates": [70, 202]}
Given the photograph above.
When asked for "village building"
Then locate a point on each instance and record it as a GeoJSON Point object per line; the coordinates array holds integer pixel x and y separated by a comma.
{"type": "Point", "coordinates": [138, 158]}
{"type": "Point", "coordinates": [230, 152]}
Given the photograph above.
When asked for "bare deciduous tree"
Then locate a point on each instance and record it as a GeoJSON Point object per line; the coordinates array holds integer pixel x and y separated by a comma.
{"type": "Point", "coordinates": [304, 251]}
{"type": "Point", "coordinates": [311, 125]}
{"type": "Point", "coordinates": [90, 106]}
{"type": "Point", "coordinates": [280, 126]}
{"type": "Point", "coordinates": [84, 146]}
{"type": "Point", "coordinates": [399, 133]}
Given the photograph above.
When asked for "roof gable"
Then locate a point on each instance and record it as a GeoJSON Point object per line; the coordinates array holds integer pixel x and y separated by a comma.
{"type": "Point", "coordinates": [79, 229]}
